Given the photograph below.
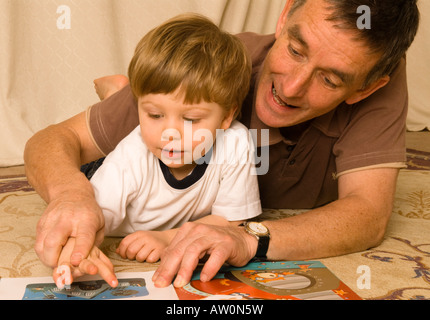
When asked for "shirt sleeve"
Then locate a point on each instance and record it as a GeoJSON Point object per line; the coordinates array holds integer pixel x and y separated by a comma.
{"type": "Point", "coordinates": [111, 120]}
{"type": "Point", "coordinates": [238, 197]}
{"type": "Point", "coordinates": [376, 132]}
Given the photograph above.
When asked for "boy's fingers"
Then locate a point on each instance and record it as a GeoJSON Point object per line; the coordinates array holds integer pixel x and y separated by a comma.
{"type": "Point", "coordinates": [88, 267]}
{"type": "Point", "coordinates": [62, 276]}
{"type": "Point", "coordinates": [106, 270]}
{"type": "Point", "coordinates": [108, 275]}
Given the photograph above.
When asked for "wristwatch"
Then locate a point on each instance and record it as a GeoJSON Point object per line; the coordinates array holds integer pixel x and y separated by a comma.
{"type": "Point", "coordinates": [262, 234]}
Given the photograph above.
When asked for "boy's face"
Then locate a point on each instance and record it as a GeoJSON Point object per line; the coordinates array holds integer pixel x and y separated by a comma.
{"type": "Point", "coordinates": [178, 133]}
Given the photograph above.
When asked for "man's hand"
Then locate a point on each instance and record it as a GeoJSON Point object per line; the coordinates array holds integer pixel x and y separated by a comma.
{"type": "Point", "coordinates": [71, 215]}
{"type": "Point", "coordinates": [192, 242]}
{"type": "Point", "coordinates": [53, 158]}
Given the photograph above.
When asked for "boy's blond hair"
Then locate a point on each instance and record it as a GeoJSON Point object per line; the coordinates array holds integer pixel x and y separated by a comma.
{"type": "Point", "coordinates": [192, 54]}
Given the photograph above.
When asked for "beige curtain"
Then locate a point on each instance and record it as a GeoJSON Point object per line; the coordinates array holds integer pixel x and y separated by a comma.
{"type": "Point", "coordinates": [51, 50]}
{"type": "Point", "coordinates": [419, 73]}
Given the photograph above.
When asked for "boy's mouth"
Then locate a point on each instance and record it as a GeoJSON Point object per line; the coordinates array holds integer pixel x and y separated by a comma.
{"type": "Point", "coordinates": [172, 152]}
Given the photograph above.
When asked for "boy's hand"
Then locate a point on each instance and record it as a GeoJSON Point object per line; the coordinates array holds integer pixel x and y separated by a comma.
{"type": "Point", "coordinates": [96, 263]}
{"type": "Point", "coordinates": [144, 245]}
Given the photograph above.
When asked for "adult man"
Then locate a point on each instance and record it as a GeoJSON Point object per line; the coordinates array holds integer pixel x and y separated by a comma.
{"type": "Point", "coordinates": [335, 101]}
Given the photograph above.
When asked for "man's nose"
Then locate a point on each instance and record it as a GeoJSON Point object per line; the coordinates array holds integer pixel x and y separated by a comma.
{"type": "Point", "coordinates": [296, 83]}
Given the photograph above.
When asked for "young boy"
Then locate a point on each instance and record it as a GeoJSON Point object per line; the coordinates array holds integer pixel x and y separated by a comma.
{"type": "Point", "coordinates": [188, 160]}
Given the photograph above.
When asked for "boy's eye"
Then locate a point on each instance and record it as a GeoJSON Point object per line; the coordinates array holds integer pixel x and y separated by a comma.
{"type": "Point", "coordinates": [154, 116]}
{"type": "Point", "coordinates": [191, 119]}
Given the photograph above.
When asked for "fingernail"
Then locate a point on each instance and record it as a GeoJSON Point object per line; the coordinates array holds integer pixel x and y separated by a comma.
{"type": "Point", "coordinates": [76, 259]}
{"type": "Point", "coordinates": [154, 276]}
{"type": "Point", "coordinates": [160, 283]}
{"type": "Point", "coordinates": [179, 282]}
{"type": "Point", "coordinates": [203, 278]}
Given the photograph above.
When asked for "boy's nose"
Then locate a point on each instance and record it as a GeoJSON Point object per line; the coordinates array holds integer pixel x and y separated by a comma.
{"type": "Point", "coordinates": [171, 134]}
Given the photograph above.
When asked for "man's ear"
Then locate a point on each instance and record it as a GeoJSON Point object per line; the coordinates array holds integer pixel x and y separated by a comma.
{"type": "Point", "coordinates": [283, 18]}
{"type": "Point", "coordinates": [370, 89]}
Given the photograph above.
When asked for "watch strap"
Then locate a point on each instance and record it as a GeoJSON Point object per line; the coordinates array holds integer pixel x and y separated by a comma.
{"type": "Point", "coordinates": [263, 246]}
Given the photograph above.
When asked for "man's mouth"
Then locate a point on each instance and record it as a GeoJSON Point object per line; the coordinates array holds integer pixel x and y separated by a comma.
{"type": "Point", "coordinates": [278, 100]}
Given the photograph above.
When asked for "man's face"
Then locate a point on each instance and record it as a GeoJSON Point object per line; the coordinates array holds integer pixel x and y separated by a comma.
{"type": "Point", "coordinates": [312, 68]}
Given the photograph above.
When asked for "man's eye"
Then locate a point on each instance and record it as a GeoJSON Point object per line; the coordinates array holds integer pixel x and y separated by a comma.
{"type": "Point", "coordinates": [154, 116]}
{"type": "Point", "coordinates": [293, 51]}
{"type": "Point", "coordinates": [329, 83]}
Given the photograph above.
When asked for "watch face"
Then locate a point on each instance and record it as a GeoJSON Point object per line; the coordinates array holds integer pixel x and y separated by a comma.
{"type": "Point", "coordinates": [257, 228]}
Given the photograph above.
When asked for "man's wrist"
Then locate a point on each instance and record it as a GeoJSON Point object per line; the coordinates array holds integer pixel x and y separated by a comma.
{"type": "Point", "coordinates": [261, 234]}
{"type": "Point", "coordinates": [76, 187]}
{"type": "Point", "coordinates": [252, 244]}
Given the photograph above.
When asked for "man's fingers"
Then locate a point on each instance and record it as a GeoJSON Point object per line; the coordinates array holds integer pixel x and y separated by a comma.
{"type": "Point", "coordinates": [67, 217]}
{"type": "Point", "coordinates": [218, 254]}
{"type": "Point", "coordinates": [221, 244]}
{"type": "Point", "coordinates": [52, 245]}
{"type": "Point", "coordinates": [216, 260]}
{"type": "Point", "coordinates": [189, 263]}
{"type": "Point", "coordinates": [84, 242]}
{"type": "Point", "coordinates": [167, 269]}
{"type": "Point", "coordinates": [182, 259]}
{"type": "Point", "coordinates": [172, 256]}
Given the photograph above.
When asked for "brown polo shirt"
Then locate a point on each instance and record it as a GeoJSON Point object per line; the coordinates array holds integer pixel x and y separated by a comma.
{"type": "Point", "coordinates": [305, 160]}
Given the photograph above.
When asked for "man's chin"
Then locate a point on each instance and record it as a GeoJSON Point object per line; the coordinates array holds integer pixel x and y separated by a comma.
{"type": "Point", "coordinates": [268, 117]}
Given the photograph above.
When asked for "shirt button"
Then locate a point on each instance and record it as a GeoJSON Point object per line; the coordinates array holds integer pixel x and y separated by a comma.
{"type": "Point", "coordinates": [292, 162]}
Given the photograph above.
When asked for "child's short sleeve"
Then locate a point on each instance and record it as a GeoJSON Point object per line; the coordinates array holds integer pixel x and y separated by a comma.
{"type": "Point", "coordinates": [238, 197]}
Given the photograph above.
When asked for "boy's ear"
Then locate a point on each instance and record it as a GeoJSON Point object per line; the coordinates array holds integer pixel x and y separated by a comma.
{"type": "Point", "coordinates": [363, 94]}
{"type": "Point", "coordinates": [228, 119]}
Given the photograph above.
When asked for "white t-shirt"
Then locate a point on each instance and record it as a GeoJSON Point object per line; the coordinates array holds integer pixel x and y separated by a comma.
{"type": "Point", "coordinates": [136, 191]}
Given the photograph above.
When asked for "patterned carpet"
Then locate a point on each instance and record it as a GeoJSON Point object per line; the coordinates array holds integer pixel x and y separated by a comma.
{"type": "Point", "coordinates": [398, 269]}
{"type": "Point", "coordinates": [418, 160]}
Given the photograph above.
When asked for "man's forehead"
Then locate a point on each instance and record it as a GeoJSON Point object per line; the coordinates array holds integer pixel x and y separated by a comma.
{"type": "Point", "coordinates": [294, 32]}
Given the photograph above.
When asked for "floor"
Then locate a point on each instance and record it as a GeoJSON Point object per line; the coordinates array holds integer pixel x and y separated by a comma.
{"type": "Point", "coordinates": [12, 171]}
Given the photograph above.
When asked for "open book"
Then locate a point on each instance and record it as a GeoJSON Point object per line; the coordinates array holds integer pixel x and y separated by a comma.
{"type": "Point", "coordinates": [281, 280]}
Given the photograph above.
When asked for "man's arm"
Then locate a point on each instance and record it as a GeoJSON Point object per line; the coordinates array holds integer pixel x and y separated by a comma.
{"type": "Point", "coordinates": [53, 158]}
{"type": "Point", "coordinates": [355, 222]}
